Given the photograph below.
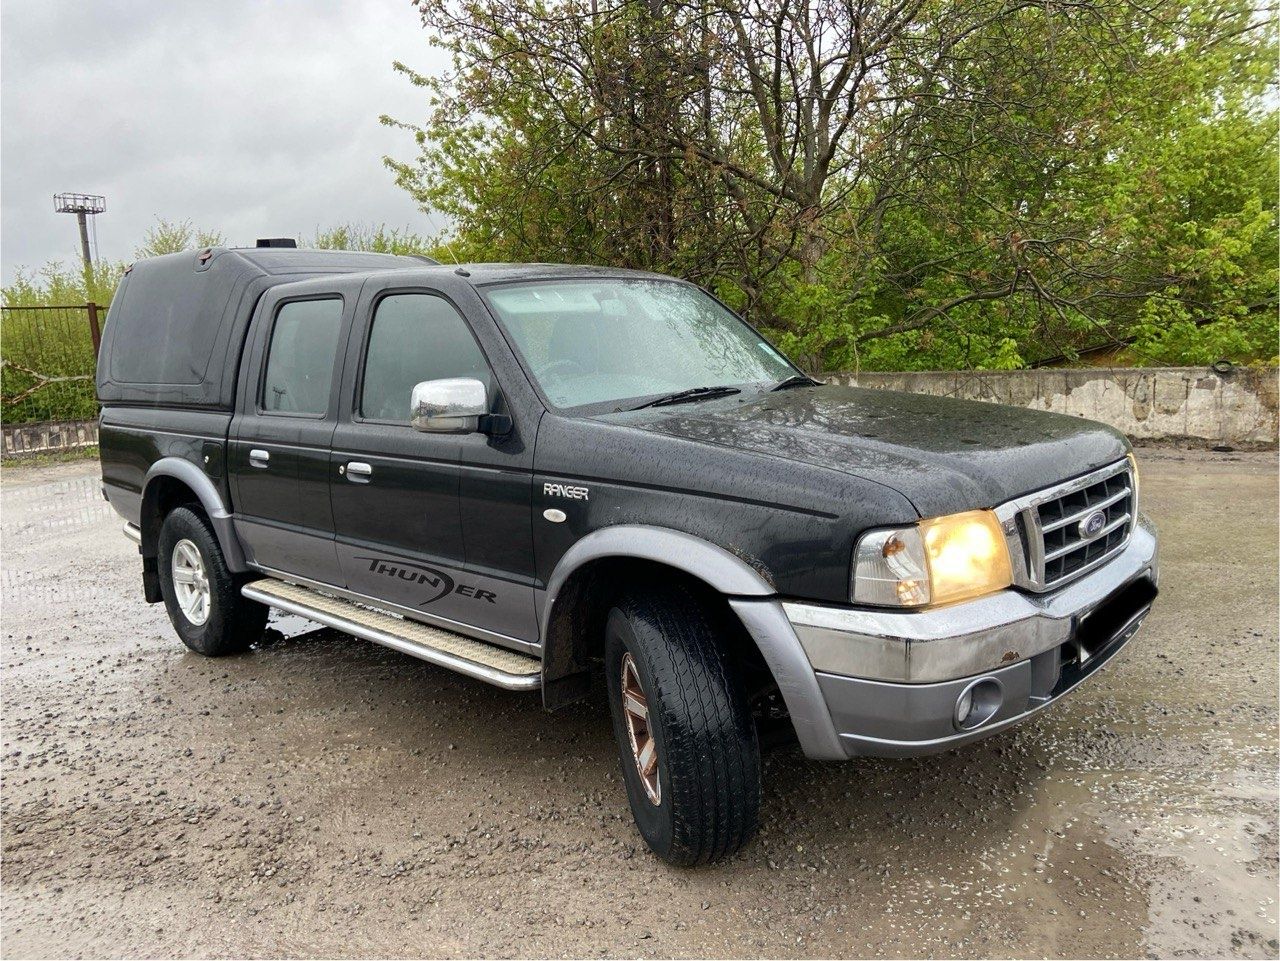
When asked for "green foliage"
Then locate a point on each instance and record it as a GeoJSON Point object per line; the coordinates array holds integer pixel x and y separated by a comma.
{"type": "Point", "coordinates": [1015, 183]}
{"type": "Point", "coordinates": [379, 239]}
{"type": "Point", "coordinates": [1226, 308]}
{"type": "Point", "coordinates": [41, 347]}
{"type": "Point", "coordinates": [57, 284]}
{"type": "Point", "coordinates": [54, 457]}
{"type": "Point", "coordinates": [57, 343]}
{"type": "Point", "coordinates": [171, 237]}
{"type": "Point", "coordinates": [52, 342]}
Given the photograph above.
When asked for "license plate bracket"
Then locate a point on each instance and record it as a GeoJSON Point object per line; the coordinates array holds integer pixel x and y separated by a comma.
{"type": "Point", "coordinates": [1106, 622]}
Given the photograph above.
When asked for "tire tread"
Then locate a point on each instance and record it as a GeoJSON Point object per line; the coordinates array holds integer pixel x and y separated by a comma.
{"type": "Point", "coordinates": [235, 622]}
{"type": "Point", "coordinates": [710, 734]}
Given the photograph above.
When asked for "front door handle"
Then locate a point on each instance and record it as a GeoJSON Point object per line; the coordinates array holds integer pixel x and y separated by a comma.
{"type": "Point", "coordinates": [358, 472]}
{"type": "Point", "coordinates": [259, 458]}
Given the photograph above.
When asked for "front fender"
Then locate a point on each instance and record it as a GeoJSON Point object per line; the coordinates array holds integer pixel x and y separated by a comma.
{"type": "Point", "coordinates": [750, 594]}
{"type": "Point", "coordinates": [715, 566]}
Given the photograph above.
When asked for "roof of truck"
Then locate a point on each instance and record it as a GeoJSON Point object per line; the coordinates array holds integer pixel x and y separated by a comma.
{"type": "Point", "coordinates": [307, 263]}
{"type": "Point", "coordinates": [177, 322]}
{"type": "Point", "coordinates": [295, 260]}
{"type": "Point", "coordinates": [480, 274]}
{"type": "Point", "coordinates": [498, 273]}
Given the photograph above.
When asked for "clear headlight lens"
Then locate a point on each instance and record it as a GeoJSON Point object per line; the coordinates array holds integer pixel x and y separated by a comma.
{"type": "Point", "coordinates": [936, 561]}
{"type": "Point", "coordinates": [889, 569]}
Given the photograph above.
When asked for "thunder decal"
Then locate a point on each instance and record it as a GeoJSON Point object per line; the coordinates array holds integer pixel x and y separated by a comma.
{"type": "Point", "coordinates": [436, 582]}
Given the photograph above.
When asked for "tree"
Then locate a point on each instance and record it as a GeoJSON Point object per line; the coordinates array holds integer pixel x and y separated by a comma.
{"type": "Point", "coordinates": [967, 182]}
{"type": "Point", "coordinates": [379, 239]}
{"type": "Point", "coordinates": [171, 237]}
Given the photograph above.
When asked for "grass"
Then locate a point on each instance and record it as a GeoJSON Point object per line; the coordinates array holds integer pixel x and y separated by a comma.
{"type": "Point", "coordinates": [23, 461]}
{"type": "Point", "coordinates": [54, 343]}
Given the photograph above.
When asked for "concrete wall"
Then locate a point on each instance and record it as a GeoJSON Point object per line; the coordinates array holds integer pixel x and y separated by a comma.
{"type": "Point", "coordinates": [48, 437]}
{"type": "Point", "coordinates": [1187, 404]}
{"type": "Point", "coordinates": [1183, 404]}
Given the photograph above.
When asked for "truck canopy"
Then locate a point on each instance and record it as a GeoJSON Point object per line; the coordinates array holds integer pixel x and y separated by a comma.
{"type": "Point", "coordinates": [177, 323]}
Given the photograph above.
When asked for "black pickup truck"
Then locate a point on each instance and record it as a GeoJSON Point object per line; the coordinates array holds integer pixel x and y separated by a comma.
{"type": "Point", "coordinates": [535, 475]}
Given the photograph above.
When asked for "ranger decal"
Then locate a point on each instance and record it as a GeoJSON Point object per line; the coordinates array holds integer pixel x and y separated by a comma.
{"type": "Point", "coordinates": [565, 490]}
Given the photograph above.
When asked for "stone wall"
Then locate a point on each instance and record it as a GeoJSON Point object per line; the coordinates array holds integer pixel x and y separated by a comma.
{"type": "Point", "coordinates": [1235, 408]}
{"type": "Point", "coordinates": [1197, 405]}
{"type": "Point", "coordinates": [48, 437]}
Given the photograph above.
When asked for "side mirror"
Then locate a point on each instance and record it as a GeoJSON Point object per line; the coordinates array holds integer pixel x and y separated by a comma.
{"type": "Point", "coordinates": [453, 405]}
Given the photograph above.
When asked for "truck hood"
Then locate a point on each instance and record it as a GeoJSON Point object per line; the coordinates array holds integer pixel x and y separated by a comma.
{"type": "Point", "coordinates": [943, 455]}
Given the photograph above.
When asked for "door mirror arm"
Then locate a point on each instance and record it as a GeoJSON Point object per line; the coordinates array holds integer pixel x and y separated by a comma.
{"type": "Point", "coordinates": [495, 425]}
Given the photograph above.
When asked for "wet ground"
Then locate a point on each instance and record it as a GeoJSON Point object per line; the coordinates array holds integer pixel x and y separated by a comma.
{"type": "Point", "coordinates": [325, 797]}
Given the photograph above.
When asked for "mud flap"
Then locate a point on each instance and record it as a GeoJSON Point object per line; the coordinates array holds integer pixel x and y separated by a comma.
{"type": "Point", "coordinates": [151, 580]}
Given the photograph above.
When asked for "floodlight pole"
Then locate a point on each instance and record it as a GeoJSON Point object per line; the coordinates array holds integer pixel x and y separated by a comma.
{"type": "Point", "coordinates": [83, 206]}
{"type": "Point", "coordinates": [83, 220]}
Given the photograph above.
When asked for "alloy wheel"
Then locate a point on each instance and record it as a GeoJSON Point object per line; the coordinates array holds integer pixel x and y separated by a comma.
{"type": "Point", "coordinates": [635, 710]}
{"type": "Point", "coordinates": [191, 582]}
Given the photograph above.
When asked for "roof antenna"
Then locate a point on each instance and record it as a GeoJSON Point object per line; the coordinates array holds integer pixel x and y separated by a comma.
{"type": "Point", "coordinates": [449, 250]}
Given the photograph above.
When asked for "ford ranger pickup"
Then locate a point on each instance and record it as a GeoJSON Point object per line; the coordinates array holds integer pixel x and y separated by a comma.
{"type": "Point", "coordinates": [544, 477]}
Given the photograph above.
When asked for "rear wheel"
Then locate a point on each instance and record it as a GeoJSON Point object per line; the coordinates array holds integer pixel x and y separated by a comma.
{"type": "Point", "coordinates": [685, 736]}
{"type": "Point", "coordinates": [201, 595]}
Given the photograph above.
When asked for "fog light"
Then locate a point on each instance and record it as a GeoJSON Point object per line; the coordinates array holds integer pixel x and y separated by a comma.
{"type": "Point", "coordinates": [978, 703]}
{"type": "Point", "coordinates": [964, 706]}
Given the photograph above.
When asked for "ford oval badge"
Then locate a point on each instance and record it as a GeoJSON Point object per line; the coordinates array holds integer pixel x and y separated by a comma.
{"type": "Point", "coordinates": [1092, 525]}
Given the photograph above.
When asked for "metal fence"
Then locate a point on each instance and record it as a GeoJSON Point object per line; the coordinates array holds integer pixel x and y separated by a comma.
{"type": "Point", "coordinates": [47, 361]}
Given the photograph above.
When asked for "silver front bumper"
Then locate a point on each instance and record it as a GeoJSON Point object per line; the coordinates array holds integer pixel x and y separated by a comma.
{"type": "Point", "coordinates": [889, 681]}
{"type": "Point", "coordinates": [917, 647]}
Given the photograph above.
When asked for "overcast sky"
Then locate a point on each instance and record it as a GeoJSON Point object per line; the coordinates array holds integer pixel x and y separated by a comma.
{"type": "Point", "coordinates": [257, 118]}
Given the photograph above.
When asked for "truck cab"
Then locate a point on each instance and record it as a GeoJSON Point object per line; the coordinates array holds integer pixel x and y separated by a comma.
{"type": "Point", "coordinates": [564, 479]}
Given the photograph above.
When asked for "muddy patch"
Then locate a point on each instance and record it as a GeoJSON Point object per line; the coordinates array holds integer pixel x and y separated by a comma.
{"type": "Point", "coordinates": [320, 796]}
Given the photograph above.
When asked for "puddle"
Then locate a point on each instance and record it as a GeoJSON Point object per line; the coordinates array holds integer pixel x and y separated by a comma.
{"type": "Point", "coordinates": [1191, 806]}
{"type": "Point", "coordinates": [1136, 818]}
{"type": "Point", "coordinates": [1212, 846]}
{"type": "Point", "coordinates": [59, 506]}
{"type": "Point", "coordinates": [290, 626]}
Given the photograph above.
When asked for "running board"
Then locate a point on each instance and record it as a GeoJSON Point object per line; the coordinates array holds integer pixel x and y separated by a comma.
{"type": "Point", "coordinates": [486, 662]}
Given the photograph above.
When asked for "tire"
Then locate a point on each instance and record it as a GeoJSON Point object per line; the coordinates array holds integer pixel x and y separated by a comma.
{"type": "Point", "coordinates": [226, 623]}
{"type": "Point", "coordinates": [707, 800]}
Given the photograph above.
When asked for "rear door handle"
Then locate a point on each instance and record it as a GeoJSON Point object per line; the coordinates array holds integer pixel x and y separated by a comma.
{"type": "Point", "coordinates": [259, 458]}
{"type": "Point", "coordinates": [358, 472]}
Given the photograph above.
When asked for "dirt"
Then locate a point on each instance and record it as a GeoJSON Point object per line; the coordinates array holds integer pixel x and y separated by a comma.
{"type": "Point", "coordinates": [324, 797]}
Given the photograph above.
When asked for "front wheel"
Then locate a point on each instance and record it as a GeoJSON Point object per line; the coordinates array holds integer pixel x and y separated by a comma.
{"type": "Point", "coordinates": [686, 739]}
{"type": "Point", "coordinates": [201, 595]}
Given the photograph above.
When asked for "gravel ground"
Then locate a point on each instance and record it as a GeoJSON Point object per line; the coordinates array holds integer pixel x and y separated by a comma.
{"type": "Point", "coordinates": [325, 797]}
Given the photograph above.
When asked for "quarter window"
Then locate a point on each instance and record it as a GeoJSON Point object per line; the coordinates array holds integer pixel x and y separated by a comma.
{"type": "Point", "coordinates": [304, 343]}
{"type": "Point", "coordinates": [415, 337]}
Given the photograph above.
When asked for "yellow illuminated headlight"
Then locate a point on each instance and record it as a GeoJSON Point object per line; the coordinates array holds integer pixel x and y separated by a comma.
{"type": "Point", "coordinates": [937, 561]}
{"type": "Point", "coordinates": [967, 556]}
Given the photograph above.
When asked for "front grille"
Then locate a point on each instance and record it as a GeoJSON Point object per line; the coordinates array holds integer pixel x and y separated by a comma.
{"type": "Point", "coordinates": [1057, 549]}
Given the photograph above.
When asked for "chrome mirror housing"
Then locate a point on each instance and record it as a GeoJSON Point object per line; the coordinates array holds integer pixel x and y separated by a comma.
{"type": "Point", "coordinates": [453, 405]}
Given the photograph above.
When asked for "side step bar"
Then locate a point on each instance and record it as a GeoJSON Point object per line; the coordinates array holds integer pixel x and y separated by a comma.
{"type": "Point", "coordinates": [486, 662]}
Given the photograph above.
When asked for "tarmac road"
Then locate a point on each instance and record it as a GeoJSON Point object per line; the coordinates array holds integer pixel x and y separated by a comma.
{"type": "Point", "coordinates": [322, 796]}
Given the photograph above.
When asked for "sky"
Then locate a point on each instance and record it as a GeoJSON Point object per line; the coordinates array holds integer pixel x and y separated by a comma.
{"type": "Point", "coordinates": [255, 118]}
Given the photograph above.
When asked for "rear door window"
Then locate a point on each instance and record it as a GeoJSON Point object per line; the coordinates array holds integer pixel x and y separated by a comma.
{"type": "Point", "coordinates": [304, 345]}
{"type": "Point", "coordinates": [415, 337]}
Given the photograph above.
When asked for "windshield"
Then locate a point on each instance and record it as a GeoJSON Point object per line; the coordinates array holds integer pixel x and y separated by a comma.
{"type": "Point", "coordinates": [605, 341]}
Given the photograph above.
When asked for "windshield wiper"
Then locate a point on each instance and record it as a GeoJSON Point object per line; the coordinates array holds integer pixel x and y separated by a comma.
{"type": "Point", "coordinates": [684, 396]}
{"type": "Point", "coordinates": [796, 380]}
